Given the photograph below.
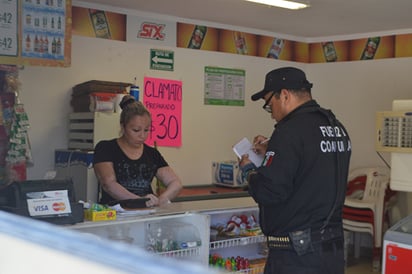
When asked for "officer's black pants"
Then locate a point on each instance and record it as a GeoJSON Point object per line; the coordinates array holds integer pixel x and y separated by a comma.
{"type": "Point", "coordinates": [328, 258]}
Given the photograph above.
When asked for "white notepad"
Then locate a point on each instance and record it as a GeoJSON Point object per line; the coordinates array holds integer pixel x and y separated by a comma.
{"type": "Point", "coordinates": [243, 147]}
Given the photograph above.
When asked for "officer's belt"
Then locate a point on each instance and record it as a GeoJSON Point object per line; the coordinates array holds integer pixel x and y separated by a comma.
{"type": "Point", "coordinates": [282, 242]}
{"type": "Point", "coordinates": [285, 242]}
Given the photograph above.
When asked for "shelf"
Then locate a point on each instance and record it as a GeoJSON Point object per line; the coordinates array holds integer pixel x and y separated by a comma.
{"type": "Point", "coordinates": [237, 242]}
{"type": "Point", "coordinates": [188, 252]}
{"type": "Point", "coordinates": [86, 129]}
{"type": "Point", "coordinates": [254, 270]}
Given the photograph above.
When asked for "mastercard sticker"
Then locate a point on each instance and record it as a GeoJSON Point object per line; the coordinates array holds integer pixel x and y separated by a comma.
{"type": "Point", "coordinates": [49, 203]}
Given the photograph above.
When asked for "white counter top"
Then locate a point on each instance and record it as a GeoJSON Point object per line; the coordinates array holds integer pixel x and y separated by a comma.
{"type": "Point", "coordinates": [207, 205]}
{"type": "Point", "coordinates": [181, 208]}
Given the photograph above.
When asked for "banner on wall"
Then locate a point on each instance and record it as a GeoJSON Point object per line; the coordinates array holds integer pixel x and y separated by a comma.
{"type": "Point", "coordinates": [201, 37]}
{"type": "Point", "coordinates": [163, 98]}
{"type": "Point", "coordinates": [151, 31]}
{"type": "Point", "coordinates": [99, 23]}
{"type": "Point", "coordinates": [130, 28]}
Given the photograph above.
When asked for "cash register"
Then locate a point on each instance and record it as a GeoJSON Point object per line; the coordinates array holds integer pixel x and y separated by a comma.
{"type": "Point", "coordinates": [49, 200]}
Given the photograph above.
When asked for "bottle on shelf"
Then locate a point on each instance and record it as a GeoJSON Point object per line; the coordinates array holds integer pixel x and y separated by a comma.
{"type": "Point", "coordinates": [134, 90]}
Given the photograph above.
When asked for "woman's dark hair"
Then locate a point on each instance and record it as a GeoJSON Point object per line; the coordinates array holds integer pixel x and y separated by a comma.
{"type": "Point", "coordinates": [130, 108]}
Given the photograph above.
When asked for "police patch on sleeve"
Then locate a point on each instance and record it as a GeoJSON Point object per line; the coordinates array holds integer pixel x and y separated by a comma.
{"type": "Point", "coordinates": [268, 158]}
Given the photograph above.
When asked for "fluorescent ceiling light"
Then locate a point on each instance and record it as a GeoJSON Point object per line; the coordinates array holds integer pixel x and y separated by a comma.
{"type": "Point", "coordinates": [282, 4]}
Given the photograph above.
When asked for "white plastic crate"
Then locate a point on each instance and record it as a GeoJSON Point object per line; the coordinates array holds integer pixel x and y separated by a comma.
{"type": "Point", "coordinates": [86, 129]}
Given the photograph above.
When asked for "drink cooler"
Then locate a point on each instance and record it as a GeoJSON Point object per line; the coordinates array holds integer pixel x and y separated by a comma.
{"type": "Point", "coordinates": [397, 248]}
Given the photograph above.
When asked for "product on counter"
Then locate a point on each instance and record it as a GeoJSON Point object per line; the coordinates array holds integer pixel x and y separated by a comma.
{"type": "Point", "coordinates": [98, 212]}
{"type": "Point", "coordinates": [241, 225]}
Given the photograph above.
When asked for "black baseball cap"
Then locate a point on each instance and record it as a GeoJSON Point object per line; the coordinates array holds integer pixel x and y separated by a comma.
{"type": "Point", "coordinates": [287, 77]}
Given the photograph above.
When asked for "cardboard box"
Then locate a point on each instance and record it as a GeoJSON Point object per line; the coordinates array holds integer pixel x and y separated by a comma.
{"type": "Point", "coordinates": [95, 216]}
{"type": "Point", "coordinates": [80, 100]}
{"type": "Point", "coordinates": [227, 173]}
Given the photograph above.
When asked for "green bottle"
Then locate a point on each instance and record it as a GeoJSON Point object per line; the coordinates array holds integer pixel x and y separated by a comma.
{"type": "Point", "coordinates": [370, 48]}
{"type": "Point", "coordinates": [329, 51]}
{"type": "Point", "coordinates": [198, 35]}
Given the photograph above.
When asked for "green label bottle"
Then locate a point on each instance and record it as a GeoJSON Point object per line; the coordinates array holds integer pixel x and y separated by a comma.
{"type": "Point", "coordinates": [329, 51]}
{"type": "Point", "coordinates": [198, 35]}
{"type": "Point", "coordinates": [370, 48]}
{"type": "Point", "coordinates": [100, 23]}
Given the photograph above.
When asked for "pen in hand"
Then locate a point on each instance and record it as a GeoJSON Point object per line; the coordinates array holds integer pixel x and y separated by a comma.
{"type": "Point", "coordinates": [265, 141]}
{"type": "Point", "coordinates": [262, 142]}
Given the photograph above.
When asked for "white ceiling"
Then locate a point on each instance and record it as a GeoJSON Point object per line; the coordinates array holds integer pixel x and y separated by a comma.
{"type": "Point", "coordinates": [323, 18]}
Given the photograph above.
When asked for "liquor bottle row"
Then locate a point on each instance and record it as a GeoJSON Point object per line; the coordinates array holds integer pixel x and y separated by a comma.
{"type": "Point", "coordinates": [47, 3]}
{"type": "Point", "coordinates": [42, 44]}
{"type": "Point", "coordinates": [44, 22]}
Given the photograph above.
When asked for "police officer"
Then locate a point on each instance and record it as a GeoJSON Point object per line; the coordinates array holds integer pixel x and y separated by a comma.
{"type": "Point", "coordinates": [300, 186]}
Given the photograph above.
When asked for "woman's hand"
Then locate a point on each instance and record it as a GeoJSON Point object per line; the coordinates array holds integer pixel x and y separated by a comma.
{"type": "Point", "coordinates": [172, 183]}
{"type": "Point", "coordinates": [154, 201]}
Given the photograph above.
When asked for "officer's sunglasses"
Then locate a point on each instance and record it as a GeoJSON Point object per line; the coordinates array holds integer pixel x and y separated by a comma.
{"type": "Point", "coordinates": [266, 106]}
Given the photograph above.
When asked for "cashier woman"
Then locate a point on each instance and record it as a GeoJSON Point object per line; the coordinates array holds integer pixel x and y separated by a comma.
{"type": "Point", "coordinates": [126, 166]}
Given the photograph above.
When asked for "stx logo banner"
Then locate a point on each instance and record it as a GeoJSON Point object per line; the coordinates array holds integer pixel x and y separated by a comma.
{"type": "Point", "coordinates": [152, 31]}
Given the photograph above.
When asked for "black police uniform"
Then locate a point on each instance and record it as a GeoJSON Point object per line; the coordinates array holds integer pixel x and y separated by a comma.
{"type": "Point", "coordinates": [300, 183]}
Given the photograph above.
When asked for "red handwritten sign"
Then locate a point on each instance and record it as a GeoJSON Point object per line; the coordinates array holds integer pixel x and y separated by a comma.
{"type": "Point", "coordinates": [163, 98]}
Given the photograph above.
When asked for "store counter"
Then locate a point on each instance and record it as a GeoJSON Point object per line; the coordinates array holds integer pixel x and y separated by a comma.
{"type": "Point", "coordinates": [207, 205]}
{"type": "Point", "coordinates": [209, 192]}
{"type": "Point", "coordinates": [179, 230]}
{"type": "Point", "coordinates": [179, 208]}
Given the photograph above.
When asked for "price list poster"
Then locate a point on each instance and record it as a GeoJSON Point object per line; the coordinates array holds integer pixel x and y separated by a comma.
{"type": "Point", "coordinates": [37, 32]}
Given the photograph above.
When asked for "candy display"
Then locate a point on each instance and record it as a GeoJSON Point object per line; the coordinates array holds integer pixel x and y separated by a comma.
{"type": "Point", "coordinates": [15, 151]}
{"type": "Point", "coordinates": [97, 212]}
{"type": "Point", "coordinates": [230, 264]}
{"type": "Point", "coordinates": [238, 225]}
{"type": "Point", "coordinates": [237, 264]}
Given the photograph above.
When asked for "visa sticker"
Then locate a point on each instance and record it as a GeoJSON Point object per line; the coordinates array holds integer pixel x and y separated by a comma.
{"type": "Point", "coordinates": [49, 203]}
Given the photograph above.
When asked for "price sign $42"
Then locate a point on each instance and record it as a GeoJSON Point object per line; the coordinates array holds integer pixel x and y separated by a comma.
{"type": "Point", "coordinates": [6, 43]}
{"type": "Point", "coordinates": [6, 17]}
